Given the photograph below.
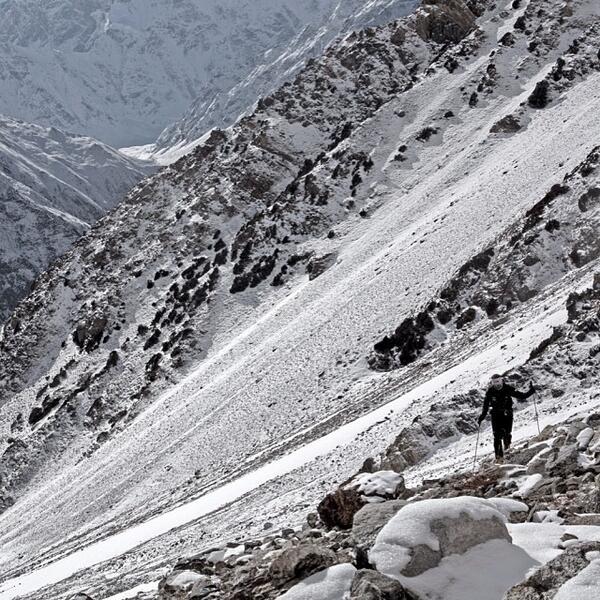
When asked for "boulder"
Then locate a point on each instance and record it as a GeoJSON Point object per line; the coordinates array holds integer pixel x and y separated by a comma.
{"type": "Point", "coordinates": [422, 533]}
{"type": "Point", "coordinates": [299, 562]}
{"type": "Point", "coordinates": [338, 508]}
{"type": "Point", "coordinates": [371, 518]}
{"type": "Point", "coordinates": [178, 584]}
{"type": "Point", "coordinates": [565, 462]}
{"type": "Point", "coordinates": [547, 581]}
{"type": "Point", "coordinates": [371, 585]}
{"type": "Point", "coordinates": [387, 485]}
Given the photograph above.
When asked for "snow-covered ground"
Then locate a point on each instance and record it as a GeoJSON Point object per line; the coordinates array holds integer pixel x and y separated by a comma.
{"type": "Point", "coordinates": [283, 406]}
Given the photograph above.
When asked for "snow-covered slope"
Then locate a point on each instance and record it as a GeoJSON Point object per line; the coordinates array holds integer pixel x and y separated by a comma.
{"type": "Point", "coordinates": [53, 187]}
{"type": "Point", "coordinates": [125, 69]}
{"type": "Point", "coordinates": [207, 347]}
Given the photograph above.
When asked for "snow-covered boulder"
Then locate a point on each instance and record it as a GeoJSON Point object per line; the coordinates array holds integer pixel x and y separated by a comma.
{"type": "Point", "coordinates": [329, 584]}
{"type": "Point", "coordinates": [178, 584]}
{"type": "Point", "coordinates": [423, 533]}
{"type": "Point", "coordinates": [383, 484]}
{"type": "Point", "coordinates": [338, 508]}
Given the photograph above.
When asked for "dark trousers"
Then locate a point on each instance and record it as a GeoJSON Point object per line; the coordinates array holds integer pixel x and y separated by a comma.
{"type": "Point", "coordinates": [502, 423]}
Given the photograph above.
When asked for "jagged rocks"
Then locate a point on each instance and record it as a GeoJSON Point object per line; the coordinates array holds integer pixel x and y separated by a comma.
{"type": "Point", "coordinates": [508, 124]}
{"type": "Point", "coordinates": [550, 578]}
{"type": "Point", "coordinates": [300, 562]}
{"type": "Point", "coordinates": [338, 508]}
{"type": "Point", "coordinates": [565, 462]}
{"type": "Point", "coordinates": [371, 585]}
{"type": "Point", "coordinates": [539, 96]}
{"type": "Point", "coordinates": [89, 333]}
{"type": "Point", "coordinates": [317, 265]}
{"type": "Point", "coordinates": [444, 20]}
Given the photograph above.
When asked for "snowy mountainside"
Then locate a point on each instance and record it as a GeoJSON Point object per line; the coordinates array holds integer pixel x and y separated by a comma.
{"type": "Point", "coordinates": [125, 69]}
{"type": "Point", "coordinates": [54, 186]}
{"type": "Point", "coordinates": [213, 109]}
{"type": "Point", "coordinates": [226, 340]}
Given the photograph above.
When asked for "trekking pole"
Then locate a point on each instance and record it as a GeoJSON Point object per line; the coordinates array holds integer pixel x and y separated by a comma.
{"type": "Point", "coordinates": [537, 417]}
{"type": "Point", "coordinates": [476, 446]}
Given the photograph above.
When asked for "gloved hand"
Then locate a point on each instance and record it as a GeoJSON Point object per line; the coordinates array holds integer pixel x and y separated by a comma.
{"type": "Point", "coordinates": [481, 419]}
{"type": "Point", "coordinates": [531, 387]}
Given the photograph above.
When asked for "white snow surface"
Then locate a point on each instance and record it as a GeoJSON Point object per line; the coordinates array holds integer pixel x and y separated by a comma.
{"type": "Point", "coordinates": [330, 584]}
{"type": "Point", "coordinates": [485, 572]}
{"type": "Point", "coordinates": [123, 70]}
{"type": "Point", "coordinates": [381, 483]}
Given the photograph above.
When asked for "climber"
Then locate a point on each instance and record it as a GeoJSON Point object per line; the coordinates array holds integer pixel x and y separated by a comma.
{"type": "Point", "coordinates": [498, 400]}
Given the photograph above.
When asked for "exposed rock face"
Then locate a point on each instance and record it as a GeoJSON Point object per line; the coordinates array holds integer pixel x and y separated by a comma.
{"type": "Point", "coordinates": [445, 20]}
{"type": "Point", "coordinates": [338, 508]}
{"type": "Point", "coordinates": [547, 581]}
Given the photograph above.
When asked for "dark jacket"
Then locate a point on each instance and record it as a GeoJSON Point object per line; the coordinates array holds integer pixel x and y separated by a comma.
{"type": "Point", "coordinates": [501, 401]}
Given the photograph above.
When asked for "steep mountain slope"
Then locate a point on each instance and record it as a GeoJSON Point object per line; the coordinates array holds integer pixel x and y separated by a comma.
{"type": "Point", "coordinates": [206, 345]}
{"type": "Point", "coordinates": [124, 70]}
{"type": "Point", "coordinates": [53, 187]}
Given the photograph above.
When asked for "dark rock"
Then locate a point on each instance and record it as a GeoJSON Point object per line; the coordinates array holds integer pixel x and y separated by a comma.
{"type": "Point", "coordinates": [565, 462]}
{"type": "Point", "coordinates": [507, 124]}
{"type": "Point", "coordinates": [317, 265]}
{"type": "Point", "coordinates": [300, 562]}
{"type": "Point", "coordinates": [539, 96]}
{"type": "Point", "coordinates": [371, 585]}
{"type": "Point", "coordinates": [338, 508]}
{"type": "Point", "coordinates": [89, 333]}
{"type": "Point", "coordinates": [589, 199]}
{"type": "Point", "coordinates": [444, 22]}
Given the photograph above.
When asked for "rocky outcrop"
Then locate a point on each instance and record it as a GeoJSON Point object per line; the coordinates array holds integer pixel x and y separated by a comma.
{"type": "Point", "coordinates": [506, 274]}
{"type": "Point", "coordinates": [548, 580]}
{"type": "Point", "coordinates": [445, 21]}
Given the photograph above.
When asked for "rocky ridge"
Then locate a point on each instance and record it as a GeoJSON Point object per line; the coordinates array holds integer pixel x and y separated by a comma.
{"type": "Point", "coordinates": [53, 187]}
